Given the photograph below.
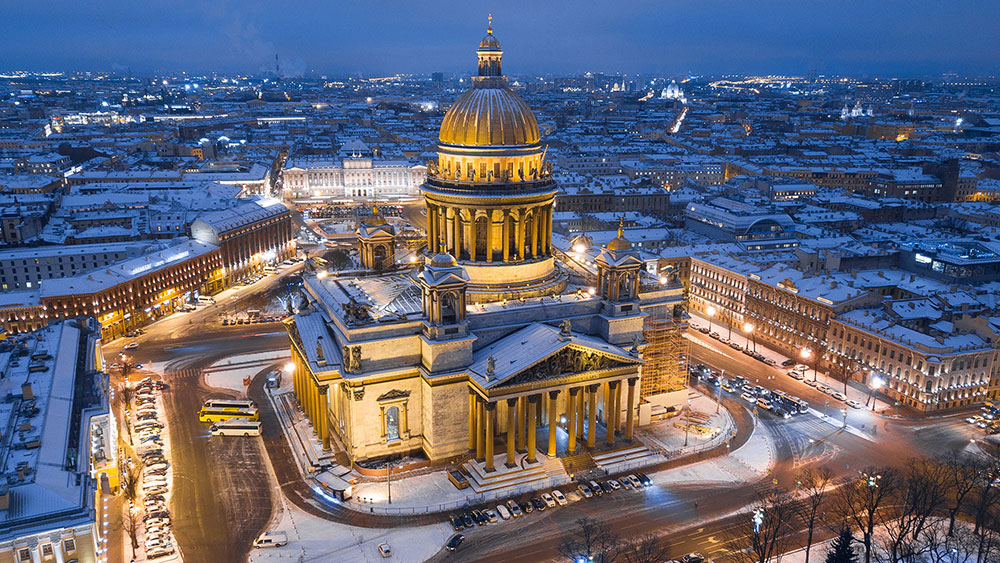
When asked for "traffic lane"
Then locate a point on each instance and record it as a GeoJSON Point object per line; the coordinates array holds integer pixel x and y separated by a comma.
{"type": "Point", "coordinates": [220, 499]}
{"type": "Point", "coordinates": [670, 512]}
{"type": "Point", "coordinates": [294, 487]}
{"type": "Point", "coordinates": [718, 356]}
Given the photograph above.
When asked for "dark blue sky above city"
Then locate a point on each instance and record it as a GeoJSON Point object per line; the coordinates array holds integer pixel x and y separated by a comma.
{"type": "Point", "coordinates": [670, 37]}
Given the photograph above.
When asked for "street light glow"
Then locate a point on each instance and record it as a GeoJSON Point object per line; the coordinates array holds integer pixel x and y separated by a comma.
{"type": "Point", "coordinates": [290, 367]}
{"type": "Point", "coordinates": [877, 382]}
{"type": "Point", "coordinates": [748, 327]}
{"type": "Point", "coordinates": [710, 311]}
{"type": "Point", "coordinates": [806, 353]}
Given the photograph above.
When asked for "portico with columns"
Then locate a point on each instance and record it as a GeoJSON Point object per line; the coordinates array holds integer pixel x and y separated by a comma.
{"type": "Point", "coordinates": [547, 378]}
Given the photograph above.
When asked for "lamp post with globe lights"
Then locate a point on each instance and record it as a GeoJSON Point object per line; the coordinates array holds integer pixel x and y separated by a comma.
{"type": "Point", "coordinates": [806, 354]}
{"type": "Point", "coordinates": [710, 311]}
{"type": "Point", "coordinates": [877, 383]}
{"type": "Point", "coordinates": [748, 328]}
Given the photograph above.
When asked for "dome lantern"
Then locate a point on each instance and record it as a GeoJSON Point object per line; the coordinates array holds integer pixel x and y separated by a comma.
{"type": "Point", "coordinates": [489, 53]}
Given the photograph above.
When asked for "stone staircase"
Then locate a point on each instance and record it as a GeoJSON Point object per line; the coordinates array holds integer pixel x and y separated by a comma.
{"type": "Point", "coordinates": [579, 462]}
{"type": "Point", "coordinates": [545, 472]}
{"type": "Point", "coordinates": [614, 461]}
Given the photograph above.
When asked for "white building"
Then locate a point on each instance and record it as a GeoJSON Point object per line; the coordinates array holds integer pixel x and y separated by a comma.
{"type": "Point", "coordinates": [316, 180]}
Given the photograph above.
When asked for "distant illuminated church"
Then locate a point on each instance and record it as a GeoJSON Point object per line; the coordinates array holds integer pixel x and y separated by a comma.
{"type": "Point", "coordinates": [673, 92]}
{"type": "Point", "coordinates": [489, 350]}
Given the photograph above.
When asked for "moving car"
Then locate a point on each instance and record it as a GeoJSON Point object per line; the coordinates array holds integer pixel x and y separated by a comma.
{"type": "Point", "coordinates": [271, 539]}
{"type": "Point", "coordinates": [131, 345]}
{"type": "Point", "coordinates": [385, 550]}
{"type": "Point", "coordinates": [643, 479]}
{"type": "Point", "coordinates": [454, 542]}
{"type": "Point", "coordinates": [748, 397]}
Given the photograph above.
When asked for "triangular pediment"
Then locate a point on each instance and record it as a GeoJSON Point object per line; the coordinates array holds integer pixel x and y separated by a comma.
{"type": "Point", "coordinates": [570, 360]}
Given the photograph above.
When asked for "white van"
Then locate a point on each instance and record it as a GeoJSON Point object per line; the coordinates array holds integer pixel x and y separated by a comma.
{"type": "Point", "coordinates": [271, 539]}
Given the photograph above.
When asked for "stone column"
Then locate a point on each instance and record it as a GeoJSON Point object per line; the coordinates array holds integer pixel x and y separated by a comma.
{"type": "Point", "coordinates": [630, 411]}
{"type": "Point", "coordinates": [471, 239]}
{"type": "Point", "coordinates": [324, 417]}
{"type": "Point", "coordinates": [511, 409]}
{"type": "Point", "coordinates": [571, 426]}
{"type": "Point", "coordinates": [580, 415]}
{"type": "Point", "coordinates": [489, 235]}
{"type": "Point", "coordinates": [534, 233]}
{"type": "Point", "coordinates": [458, 235]}
{"type": "Point", "coordinates": [609, 417]}
{"type": "Point", "coordinates": [538, 413]}
{"type": "Point", "coordinates": [480, 432]}
{"type": "Point", "coordinates": [57, 549]}
{"type": "Point", "coordinates": [449, 230]}
{"type": "Point", "coordinates": [519, 438]}
{"type": "Point", "coordinates": [592, 415]}
{"type": "Point", "coordinates": [489, 408]}
{"type": "Point", "coordinates": [505, 236]}
{"type": "Point", "coordinates": [520, 233]}
{"type": "Point", "coordinates": [618, 407]}
{"type": "Point", "coordinates": [553, 421]}
{"type": "Point", "coordinates": [532, 402]}
{"type": "Point", "coordinates": [472, 422]}
{"type": "Point", "coordinates": [431, 235]}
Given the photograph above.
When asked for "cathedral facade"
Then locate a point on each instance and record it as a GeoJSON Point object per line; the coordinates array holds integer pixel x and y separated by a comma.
{"type": "Point", "coordinates": [489, 347]}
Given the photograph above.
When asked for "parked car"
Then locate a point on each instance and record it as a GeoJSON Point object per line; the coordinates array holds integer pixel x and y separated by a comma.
{"type": "Point", "coordinates": [467, 520]}
{"type": "Point", "coordinates": [596, 487]}
{"type": "Point", "coordinates": [548, 500]}
{"type": "Point", "coordinates": [527, 507]}
{"type": "Point", "coordinates": [515, 509]}
{"type": "Point", "coordinates": [693, 558]}
{"type": "Point", "coordinates": [615, 485]}
{"type": "Point", "coordinates": [491, 515]}
{"type": "Point", "coordinates": [644, 479]}
{"type": "Point", "coordinates": [503, 512]}
{"type": "Point", "coordinates": [636, 483]}
{"type": "Point", "coordinates": [271, 539]}
{"type": "Point", "coordinates": [626, 484]}
{"type": "Point", "coordinates": [456, 522]}
{"type": "Point", "coordinates": [715, 335]}
{"type": "Point", "coordinates": [585, 490]}
{"type": "Point", "coordinates": [795, 375]}
{"type": "Point", "coordinates": [787, 363]}
{"type": "Point", "coordinates": [560, 498]}
{"type": "Point", "coordinates": [853, 404]}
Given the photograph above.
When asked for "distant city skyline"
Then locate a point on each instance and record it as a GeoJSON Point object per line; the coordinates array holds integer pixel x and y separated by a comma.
{"type": "Point", "coordinates": [893, 37]}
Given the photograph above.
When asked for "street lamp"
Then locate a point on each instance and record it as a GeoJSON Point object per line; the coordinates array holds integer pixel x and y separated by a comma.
{"type": "Point", "coordinates": [806, 354]}
{"type": "Point", "coordinates": [710, 311]}
{"type": "Point", "coordinates": [877, 383]}
{"type": "Point", "coordinates": [748, 328]}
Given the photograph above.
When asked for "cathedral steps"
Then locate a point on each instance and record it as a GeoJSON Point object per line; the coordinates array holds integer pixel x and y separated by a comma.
{"type": "Point", "coordinates": [622, 459]}
{"type": "Point", "coordinates": [578, 462]}
{"type": "Point", "coordinates": [545, 473]}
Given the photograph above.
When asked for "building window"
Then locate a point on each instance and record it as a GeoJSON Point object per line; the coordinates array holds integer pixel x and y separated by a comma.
{"type": "Point", "coordinates": [24, 554]}
{"type": "Point", "coordinates": [47, 550]}
{"type": "Point", "coordinates": [392, 424]}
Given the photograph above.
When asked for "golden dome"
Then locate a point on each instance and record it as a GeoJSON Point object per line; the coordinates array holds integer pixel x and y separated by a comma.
{"type": "Point", "coordinates": [489, 116]}
{"type": "Point", "coordinates": [489, 43]}
{"type": "Point", "coordinates": [443, 260]}
{"type": "Point", "coordinates": [620, 243]}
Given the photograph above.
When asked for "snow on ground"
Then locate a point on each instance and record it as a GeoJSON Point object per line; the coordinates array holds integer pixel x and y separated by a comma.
{"type": "Point", "coordinates": [229, 373]}
{"type": "Point", "coordinates": [314, 539]}
{"type": "Point", "coordinates": [748, 463]}
{"type": "Point", "coordinates": [419, 491]}
{"type": "Point", "coordinates": [670, 438]}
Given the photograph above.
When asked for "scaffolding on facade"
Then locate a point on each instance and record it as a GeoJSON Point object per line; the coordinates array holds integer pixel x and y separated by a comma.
{"type": "Point", "coordinates": [666, 354]}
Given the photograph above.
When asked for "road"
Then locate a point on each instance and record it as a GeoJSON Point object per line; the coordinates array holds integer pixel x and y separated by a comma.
{"type": "Point", "coordinates": [670, 511]}
{"type": "Point", "coordinates": [220, 499]}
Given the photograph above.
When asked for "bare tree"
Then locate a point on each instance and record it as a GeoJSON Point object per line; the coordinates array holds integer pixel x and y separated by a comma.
{"type": "Point", "coordinates": [951, 544]}
{"type": "Point", "coordinates": [128, 481]}
{"type": "Point", "coordinates": [921, 492]}
{"type": "Point", "coordinates": [126, 394]}
{"type": "Point", "coordinates": [125, 368]}
{"type": "Point", "coordinates": [592, 541]}
{"type": "Point", "coordinates": [862, 502]}
{"type": "Point", "coordinates": [644, 549]}
{"type": "Point", "coordinates": [130, 525]}
{"type": "Point", "coordinates": [814, 483]}
{"type": "Point", "coordinates": [963, 472]}
{"type": "Point", "coordinates": [761, 531]}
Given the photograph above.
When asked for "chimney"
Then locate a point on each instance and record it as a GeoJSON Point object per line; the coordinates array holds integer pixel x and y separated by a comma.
{"type": "Point", "coordinates": [26, 393]}
{"type": "Point", "coordinates": [4, 497]}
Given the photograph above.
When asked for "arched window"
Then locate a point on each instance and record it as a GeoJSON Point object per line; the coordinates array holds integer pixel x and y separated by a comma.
{"type": "Point", "coordinates": [391, 424]}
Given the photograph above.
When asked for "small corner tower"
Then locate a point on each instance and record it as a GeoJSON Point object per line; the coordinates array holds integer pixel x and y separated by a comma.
{"type": "Point", "coordinates": [377, 241]}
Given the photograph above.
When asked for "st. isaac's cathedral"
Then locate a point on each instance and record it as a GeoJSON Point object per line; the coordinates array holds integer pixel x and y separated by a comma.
{"type": "Point", "coordinates": [493, 348]}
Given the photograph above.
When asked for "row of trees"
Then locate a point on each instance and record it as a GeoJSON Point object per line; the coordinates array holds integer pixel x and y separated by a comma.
{"type": "Point", "coordinates": [929, 510]}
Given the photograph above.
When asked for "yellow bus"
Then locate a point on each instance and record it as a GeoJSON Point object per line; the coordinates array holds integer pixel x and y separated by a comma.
{"type": "Point", "coordinates": [215, 415]}
{"type": "Point", "coordinates": [229, 404]}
